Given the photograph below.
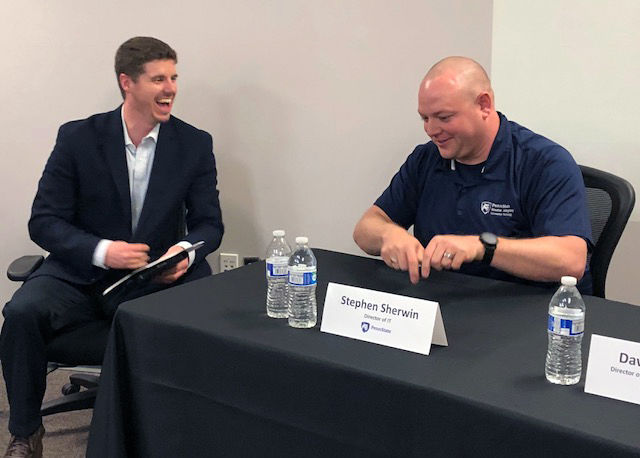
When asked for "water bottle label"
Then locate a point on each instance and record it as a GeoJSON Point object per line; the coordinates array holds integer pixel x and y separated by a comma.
{"type": "Point", "coordinates": [565, 327]}
{"type": "Point", "coordinates": [305, 276]}
{"type": "Point", "coordinates": [277, 266]}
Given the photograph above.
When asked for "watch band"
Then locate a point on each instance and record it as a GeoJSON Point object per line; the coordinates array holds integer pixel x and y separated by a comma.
{"type": "Point", "coordinates": [490, 241]}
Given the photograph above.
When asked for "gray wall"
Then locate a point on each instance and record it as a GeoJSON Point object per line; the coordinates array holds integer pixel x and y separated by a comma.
{"type": "Point", "coordinates": [569, 70]}
{"type": "Point", "coordinates": [312, 104]}
{"type": "Point", "coordinates": [322, 95]}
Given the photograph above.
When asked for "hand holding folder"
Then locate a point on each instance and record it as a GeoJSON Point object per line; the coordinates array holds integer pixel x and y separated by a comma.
{"type": "Point", "coordinates": [147, 273]}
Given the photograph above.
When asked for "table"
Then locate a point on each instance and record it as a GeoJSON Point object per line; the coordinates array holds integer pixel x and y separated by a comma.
{"type": "Point", "coordinates": [200, 370]}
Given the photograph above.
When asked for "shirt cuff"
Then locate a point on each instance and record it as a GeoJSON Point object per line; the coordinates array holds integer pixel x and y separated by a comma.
{"type": "Point", "coordinates": [192, 254]}
{"type": "Point", "coordinates": [100, 253]}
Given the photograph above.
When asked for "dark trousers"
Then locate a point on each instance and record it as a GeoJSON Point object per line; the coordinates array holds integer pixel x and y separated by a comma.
{"type": "Point", "coordinates": [40, 309]}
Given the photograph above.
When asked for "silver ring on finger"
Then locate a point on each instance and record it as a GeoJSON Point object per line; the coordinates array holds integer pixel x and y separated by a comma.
{"type": "Point", "coordinates": [448, 255]}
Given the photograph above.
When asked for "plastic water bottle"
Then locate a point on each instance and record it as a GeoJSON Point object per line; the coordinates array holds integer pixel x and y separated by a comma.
{"type": "Point", "coordinates": [565, 329]}
{"type": "Point", "coordinates": [303, 310]}
{"type": "Point", "coordinates": [277, 256]}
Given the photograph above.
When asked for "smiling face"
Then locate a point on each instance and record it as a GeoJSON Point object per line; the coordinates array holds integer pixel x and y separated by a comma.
{"type": "Point", "coordinates": [453, 118]}
{"type": "Point", "coordinates": [149, 97]}
{"type": "Point", "coordinates": [455, 102]}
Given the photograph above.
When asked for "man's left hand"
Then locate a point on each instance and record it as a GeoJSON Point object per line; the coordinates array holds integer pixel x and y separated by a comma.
{"type": "Point", "coordinates": [450, 252]}
{"type": "Point", "coordinates": [177, 271]}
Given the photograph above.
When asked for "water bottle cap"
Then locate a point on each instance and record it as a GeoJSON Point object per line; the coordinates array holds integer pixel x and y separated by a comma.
{"type": "Point", "coordinates": [302, 240]}
{"type": "Point", "coordinates": [568, 281]}
{"type": "Point", "coordinates": [278, 233]}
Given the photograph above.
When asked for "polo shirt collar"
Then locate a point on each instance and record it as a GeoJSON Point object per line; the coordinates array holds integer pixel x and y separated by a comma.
{"type": "Point", "coordinates": [497, 163]}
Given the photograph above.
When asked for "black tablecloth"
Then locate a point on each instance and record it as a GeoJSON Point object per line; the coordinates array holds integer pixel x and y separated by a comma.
{"type": "Point", "coordinates": [200, 370]}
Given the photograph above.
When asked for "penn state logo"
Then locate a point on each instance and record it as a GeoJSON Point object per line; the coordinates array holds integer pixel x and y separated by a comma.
{"type": "Point", "coordinates": [485, 207]}
{"type": "Point", "coordinates": [365, 326]}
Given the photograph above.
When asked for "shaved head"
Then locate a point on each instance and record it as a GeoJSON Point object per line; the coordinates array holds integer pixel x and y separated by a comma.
{"type": "Point", "coordinates": [455, 102]}
{"type": "Point", "coordinates": [462, 73]}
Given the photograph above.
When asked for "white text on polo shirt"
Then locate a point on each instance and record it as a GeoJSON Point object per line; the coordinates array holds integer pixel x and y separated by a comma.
{"type": "Point", "coordinates": [492, 208]}
{"type": "Point", "coordinates": [384, 308]}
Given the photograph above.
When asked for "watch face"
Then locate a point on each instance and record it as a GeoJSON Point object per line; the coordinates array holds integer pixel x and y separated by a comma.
{"type": "Point", "coordinates": [489, 238]}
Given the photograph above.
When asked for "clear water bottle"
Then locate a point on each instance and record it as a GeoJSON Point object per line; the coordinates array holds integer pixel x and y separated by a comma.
{"type": "Point", "coordinates": [277, 257]}
{"type": "Point", "coordinates": [564, 330]}
{"type": "Point", "coordinates": [303, 310]}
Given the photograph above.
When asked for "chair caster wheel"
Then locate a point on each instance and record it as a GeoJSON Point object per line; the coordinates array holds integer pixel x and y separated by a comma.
{"type": "Point", "coordinates": [70, 388]}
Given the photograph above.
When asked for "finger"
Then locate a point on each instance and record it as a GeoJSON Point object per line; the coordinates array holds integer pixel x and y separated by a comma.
{"type": "Point", "coordinates": [135, 264]}
{"type": "Point", "coordinates": [138, 257]}
{"type": "Point", "coordinates": [447, 259]}
{"type": "Point", "coordinates": [426, 260]}
{"type": "Point", "coordinates": [412, 264]}
{"type": "Point", "coordinates": [419, 255]}
{"type": "Point", "coordinates": [170, 272]}
{"type": "Point", "coordinates": [161, 279]}
{"type": "Point", "coordinates": [391, 262]}
{"type": "Point", "coordinates": [170, 278]}
{"type": "Point", "coordinates": [139, 247]}
{"type": "Point", "coordinates": [457, 261]}
{"type": "Point", "coordinates": [183, 265]}
{"type": "Point", "coordinates": [437, 256]}
{"type": "Point", "coordinates": [387, 257]}
{"type": "Point", "coordinates": [402, 261]}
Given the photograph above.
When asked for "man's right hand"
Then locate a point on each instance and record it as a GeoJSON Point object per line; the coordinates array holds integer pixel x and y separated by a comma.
{"type": "Point", "coordinates": [123, 255]}
{"type": "Point", "coordinates": [377, 234]}
{"type": "Point", "coordinates": [401, 250]}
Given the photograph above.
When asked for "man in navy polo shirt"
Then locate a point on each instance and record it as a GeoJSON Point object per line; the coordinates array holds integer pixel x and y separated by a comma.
{"type": "Point", "coordinates": [486, 196]}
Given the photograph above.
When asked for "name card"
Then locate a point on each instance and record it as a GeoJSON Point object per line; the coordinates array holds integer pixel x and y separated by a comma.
{"type": "Point", "coordinates": [613, 369]}
{"type": "Point", "coordinates": [382, 318]}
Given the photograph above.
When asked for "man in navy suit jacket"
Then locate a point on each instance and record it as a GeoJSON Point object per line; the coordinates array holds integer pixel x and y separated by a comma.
{"type": "Point", "coordinates": [119, 189]}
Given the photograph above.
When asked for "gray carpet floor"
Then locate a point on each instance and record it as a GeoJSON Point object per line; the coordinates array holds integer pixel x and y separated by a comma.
{"type": "Point", "coordinates": [66, 433]}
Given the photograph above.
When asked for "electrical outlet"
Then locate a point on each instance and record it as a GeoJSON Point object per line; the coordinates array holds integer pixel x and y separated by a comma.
{"type": "Point", "coordinates": [228, 261]}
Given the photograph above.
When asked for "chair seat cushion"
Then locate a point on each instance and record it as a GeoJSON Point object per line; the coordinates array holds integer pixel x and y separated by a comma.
{"type": "Point", "coordinates": [82, 345]}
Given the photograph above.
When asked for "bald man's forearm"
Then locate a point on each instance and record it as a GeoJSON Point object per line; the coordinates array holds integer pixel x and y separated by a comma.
{"type": "Point", "coordinates": [543, 258]}
{"type": "Point", "coordinates": [368, 231]}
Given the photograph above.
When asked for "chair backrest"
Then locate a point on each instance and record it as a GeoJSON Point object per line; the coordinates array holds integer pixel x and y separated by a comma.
{"type": "Point", "coordinates": [610, 200]}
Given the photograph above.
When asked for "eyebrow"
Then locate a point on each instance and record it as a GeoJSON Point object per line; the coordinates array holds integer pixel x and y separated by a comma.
{"type": "Point", "coordinates": [160, 75]}
{"type": "Point", "coordinates": [436, 114]}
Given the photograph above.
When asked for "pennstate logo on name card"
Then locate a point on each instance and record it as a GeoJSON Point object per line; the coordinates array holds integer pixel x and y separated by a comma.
{"type": "Point", "coordinates": [386, 319]}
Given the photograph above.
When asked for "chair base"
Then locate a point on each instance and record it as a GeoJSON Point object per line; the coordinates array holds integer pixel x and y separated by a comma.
{"type": "Point", "coordinates": [72, 398]}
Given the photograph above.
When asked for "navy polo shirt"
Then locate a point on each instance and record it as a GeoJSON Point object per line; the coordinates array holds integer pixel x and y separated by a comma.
{"type": "Point", "coordinates": [528, 187]}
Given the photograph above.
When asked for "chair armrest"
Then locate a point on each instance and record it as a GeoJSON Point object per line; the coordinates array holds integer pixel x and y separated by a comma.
{"type": "Point", "coordinates": [21, 268]}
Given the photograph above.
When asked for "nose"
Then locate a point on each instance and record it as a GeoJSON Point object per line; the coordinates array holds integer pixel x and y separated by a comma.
{"type": "Point", "coordinates": [170, 86]}
{"type": "Point", "coordinates": [431, 127]}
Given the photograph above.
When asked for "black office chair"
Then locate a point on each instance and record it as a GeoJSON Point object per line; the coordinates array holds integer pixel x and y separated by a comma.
{"type": "Point", "coordinates": [610, 200]}
{"type": "Point", "coordinates": [81, 346]}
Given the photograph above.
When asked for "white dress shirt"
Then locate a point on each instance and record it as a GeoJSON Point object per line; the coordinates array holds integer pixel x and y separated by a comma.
{"type": "Point", "coordinates": [139, 164]}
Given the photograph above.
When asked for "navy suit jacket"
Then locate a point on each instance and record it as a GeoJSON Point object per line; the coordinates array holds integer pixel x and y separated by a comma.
{"type": "Point", "coordinates": [83, 195]}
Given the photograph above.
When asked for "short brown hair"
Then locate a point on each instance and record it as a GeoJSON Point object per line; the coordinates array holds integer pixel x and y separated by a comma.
{"type": "Point", "coordinates": [135, 52]}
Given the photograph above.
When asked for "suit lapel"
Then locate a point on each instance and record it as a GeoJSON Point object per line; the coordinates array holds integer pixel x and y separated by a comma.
{"type": "Point", "coordinates": [112, 143]}
{"type": "Point", "coordinates": [161, 172]}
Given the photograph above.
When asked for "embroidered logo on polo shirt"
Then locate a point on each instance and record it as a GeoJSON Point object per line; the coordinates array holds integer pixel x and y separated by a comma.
{"type": "Point", "coordinates": [492, 208]}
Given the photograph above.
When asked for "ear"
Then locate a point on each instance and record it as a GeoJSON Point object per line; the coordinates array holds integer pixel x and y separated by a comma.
{"type": "Point", "coordinates": [125, 82]}
{"type": "Point", "coordinates": [485, 103]}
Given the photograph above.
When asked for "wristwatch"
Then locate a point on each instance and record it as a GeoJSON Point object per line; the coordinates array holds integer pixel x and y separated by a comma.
{"type": "Point", "coordinates": [490, 241]}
